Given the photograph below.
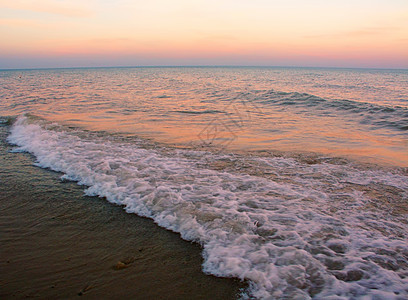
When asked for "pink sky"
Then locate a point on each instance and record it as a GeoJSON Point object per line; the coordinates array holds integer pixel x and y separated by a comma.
{"type": "Point", "coordinates": [58, 33]}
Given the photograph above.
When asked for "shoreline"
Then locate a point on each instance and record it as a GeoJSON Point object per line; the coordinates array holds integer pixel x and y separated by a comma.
{"type": "Point", "coordinates": [63, 244]}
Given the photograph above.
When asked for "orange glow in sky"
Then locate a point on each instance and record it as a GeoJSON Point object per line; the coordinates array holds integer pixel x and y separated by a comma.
{"type": "Point", "coordinates": [69, 33]}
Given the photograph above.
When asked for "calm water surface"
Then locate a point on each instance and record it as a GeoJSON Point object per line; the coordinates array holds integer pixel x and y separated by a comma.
{"type": "Point", "coordinates": [340, 112]}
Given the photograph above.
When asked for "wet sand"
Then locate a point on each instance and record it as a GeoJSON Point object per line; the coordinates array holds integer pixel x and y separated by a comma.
{"type": "Point", "coordinates": [57, 243]}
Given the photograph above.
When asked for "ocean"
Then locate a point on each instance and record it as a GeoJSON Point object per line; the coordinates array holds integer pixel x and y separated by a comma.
{"type": "Point", "coordinates": [292, 180]}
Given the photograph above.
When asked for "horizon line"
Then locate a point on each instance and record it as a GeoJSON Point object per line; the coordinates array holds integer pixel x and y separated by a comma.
{"type": "Point", "coordinates": [201, 66]}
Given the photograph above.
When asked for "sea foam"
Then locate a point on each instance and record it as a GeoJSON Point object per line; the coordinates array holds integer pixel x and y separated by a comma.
{"type": "Point", "coordinates": [291, 229]}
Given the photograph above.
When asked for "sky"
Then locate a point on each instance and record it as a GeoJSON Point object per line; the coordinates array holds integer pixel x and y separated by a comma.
{"type": "Point", "coordinates": [308, 33]}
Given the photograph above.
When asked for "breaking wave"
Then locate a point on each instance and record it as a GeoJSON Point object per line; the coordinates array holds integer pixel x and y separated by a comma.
{"type": "Point", "coordinates": [292, 229]}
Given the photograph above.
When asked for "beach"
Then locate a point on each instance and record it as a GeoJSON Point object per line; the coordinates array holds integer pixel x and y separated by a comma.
{"type": "Point", "coordinates": [204, 183]}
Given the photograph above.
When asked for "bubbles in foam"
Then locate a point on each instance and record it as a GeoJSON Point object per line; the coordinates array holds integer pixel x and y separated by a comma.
{"type": "Point", "coordinates": [293, 230]}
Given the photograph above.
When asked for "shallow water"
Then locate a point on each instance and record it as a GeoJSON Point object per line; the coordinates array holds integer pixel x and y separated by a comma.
{"type": "Point", "coordinates": [319, 212]}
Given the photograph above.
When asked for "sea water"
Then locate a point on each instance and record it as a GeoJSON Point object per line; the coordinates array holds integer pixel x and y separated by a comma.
{"type": "Point", "coordinates": [293, 179]}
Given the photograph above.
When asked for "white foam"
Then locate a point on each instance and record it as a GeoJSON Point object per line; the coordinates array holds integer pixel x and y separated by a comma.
{"type": "Point", "coordinates": [306, 233]}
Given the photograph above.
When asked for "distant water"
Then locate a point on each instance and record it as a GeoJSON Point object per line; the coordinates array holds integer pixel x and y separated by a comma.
{"type": "Point", "coordinates": [353, 113]}
{"type": "Point", "coordinates": [294, 179]}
